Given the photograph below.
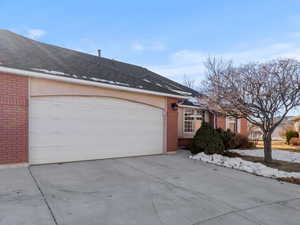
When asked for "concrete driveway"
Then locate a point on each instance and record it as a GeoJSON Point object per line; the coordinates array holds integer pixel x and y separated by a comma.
{"type": "Point", "coordinates": [152, 190]}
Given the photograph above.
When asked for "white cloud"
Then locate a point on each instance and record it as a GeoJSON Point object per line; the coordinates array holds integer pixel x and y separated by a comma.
{"type": "Point", "coordinates": [190, 62]}
{"type": "Point", "coordinates": [35, 33]}
{"type": "Point", "coordinates": [138, 47]}
{"type": "Point", "coordinates": [155, 46]}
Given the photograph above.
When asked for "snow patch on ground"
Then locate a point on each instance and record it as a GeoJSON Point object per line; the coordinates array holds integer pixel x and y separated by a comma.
{"type": "Point", "coordinates": [276, 154]}
{"type": "Point", "coordinates": [240, 164]}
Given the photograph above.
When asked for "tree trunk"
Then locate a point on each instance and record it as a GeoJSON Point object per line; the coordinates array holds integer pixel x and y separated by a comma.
{"type": "Point", "coordinates": [268, 147]}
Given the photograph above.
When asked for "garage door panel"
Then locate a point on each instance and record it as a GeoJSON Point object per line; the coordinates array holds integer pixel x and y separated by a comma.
{"type": "Point", "coordinates": [82, 128]}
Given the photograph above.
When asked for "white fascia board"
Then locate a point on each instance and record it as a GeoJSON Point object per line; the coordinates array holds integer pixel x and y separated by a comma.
{"type": "Point", "coordinates": [189, 106]}
{"type": "Point", "coordinates": [83, 82]}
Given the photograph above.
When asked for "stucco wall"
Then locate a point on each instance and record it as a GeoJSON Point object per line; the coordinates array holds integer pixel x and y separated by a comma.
{"type": "Point", "coordinates": [44, 87]}
{"type": "Point", "coordinates": [180, 122]}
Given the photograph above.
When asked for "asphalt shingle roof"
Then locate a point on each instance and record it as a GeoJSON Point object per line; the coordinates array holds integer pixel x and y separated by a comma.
{"type": "Point", "coordinates": [23, 53]}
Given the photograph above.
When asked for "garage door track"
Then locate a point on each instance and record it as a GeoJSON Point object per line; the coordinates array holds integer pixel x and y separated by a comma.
{"type": "Point", "coordinates": [150, 190]}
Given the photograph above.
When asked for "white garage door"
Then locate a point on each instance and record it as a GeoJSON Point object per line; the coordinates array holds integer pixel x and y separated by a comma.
{"type": "Point", "coordinates": [66, 129]}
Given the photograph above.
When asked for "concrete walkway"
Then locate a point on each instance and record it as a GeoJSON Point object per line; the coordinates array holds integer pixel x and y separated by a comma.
{"type": "Point", "coordinates": [163, 190]}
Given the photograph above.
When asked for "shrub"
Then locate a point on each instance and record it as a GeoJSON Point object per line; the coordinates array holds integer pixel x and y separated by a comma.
{"type": "Point", "coordinates": [232, 140]}
{"type": "Point", "coordinates": [242, 141]}
{"type": "Point", "coordinates": [207, 140]}
{"type": "Point", "coordinates": [295, 141]}
{"type": "Point", "coordinates": [228, 138]}
{"type": "Point", "coordinates": [290, 134]}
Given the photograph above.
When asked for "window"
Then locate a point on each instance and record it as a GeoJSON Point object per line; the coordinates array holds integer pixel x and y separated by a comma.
{"type": "Point", "coordinates": [192, 120]}
{"type": "Point", "coordinates": [231, 124]}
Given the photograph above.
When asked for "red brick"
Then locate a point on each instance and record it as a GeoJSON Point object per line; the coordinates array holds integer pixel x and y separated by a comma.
{"type": "Point", "coordinates": [221, 122]}
{"type": "Point", "coordinates": [172, 126]}
{"type": "Point", "coordinates": [244, 127]}
{"type": "Point", "coordinates": [13, 119]}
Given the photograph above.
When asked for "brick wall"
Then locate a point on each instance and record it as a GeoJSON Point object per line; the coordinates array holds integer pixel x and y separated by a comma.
{"type": "Point", "coordinates": [221, 122]}
{"type": "Point", "coordinates": [211, 119]}
{"type": "Point", "coordinates": [185, 143]}
{"type": "Point", "coordinates": [244, 127]}
{"type": "Point", "coordinates": [172, 126]}
{"type": "Point", "coordinates": [13, 119]}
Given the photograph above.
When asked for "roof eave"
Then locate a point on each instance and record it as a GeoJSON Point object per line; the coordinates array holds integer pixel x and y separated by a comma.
{"type": "Point", "coordinates": [84, 82]}
{"type": "Point", "coordinates": [191, 106]}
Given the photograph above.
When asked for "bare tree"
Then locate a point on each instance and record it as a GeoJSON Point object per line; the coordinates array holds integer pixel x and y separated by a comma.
{"type": "Point", "coordinates": [188, 82]}
{"type": "Point", "coordinates": [258, 92]}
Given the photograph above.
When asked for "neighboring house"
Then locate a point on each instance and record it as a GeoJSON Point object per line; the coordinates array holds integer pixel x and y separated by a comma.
{"type": "Point", "coordinates": [296, 120]}
{"type": "Point", "coordinates": [193, 111]}
{"type": "Point", "coordinates": [60, 105]}
{"type": "Point", "coordinates": [288, 123]}
{"type": "Point", "coordinates": [255, 133]}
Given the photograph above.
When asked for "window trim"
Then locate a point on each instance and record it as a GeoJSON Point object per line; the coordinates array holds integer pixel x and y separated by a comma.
{"type": "Point", "coordinates": [237, 124]}
{"type": "Point", "coordinates": [194, 115]}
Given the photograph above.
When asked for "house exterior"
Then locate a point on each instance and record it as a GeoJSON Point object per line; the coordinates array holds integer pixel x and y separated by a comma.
{"type": "Point", "coordinates": [193, 111]}
{"type": "Point", "coordinates": [288, 123]}
{"type": "Point", "coordinates": [60, 105]}
{"type": "Point", "coordinates": [296, 123]}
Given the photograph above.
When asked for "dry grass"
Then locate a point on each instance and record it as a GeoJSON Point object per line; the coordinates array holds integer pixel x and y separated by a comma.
{"type": "Point", "coordinates": [281, 145]}
{"type": "Point", "coordinates": [292, 180]}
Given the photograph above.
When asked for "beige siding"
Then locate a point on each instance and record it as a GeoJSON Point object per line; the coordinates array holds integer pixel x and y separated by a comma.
{"type": "Point", "coordinates": [180, 122]}
{"type": "Point", "coordinates": [44, 87]}
{"type": "Point", "coordinates": [297, 126]}
{"type": "Point", "coordinates": [206, 117]}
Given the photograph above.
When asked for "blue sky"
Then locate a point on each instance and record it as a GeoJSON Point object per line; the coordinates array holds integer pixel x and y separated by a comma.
{"type": "Point", "coordinates": [169, 37]}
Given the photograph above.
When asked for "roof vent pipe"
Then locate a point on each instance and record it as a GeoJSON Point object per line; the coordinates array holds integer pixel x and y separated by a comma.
{"type": "Point", "coordinates": [99, 52]}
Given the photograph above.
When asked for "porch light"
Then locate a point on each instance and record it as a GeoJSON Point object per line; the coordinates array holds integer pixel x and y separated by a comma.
{"type": "Point", "coordinates": [174, 106]}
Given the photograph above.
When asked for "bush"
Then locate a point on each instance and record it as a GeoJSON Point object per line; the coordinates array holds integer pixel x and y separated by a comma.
{"type": "Point", "coordinates": [228, 138]}
{"type": "Point", "coordinates": [242, 141]}
{"type": "Point", "coordinates": [207, 140]}
{"type": "Point", "coordinates": [232, 140]}
{"type": "Point", "coordinates": [290, 134]}
{"type": "Point", "coordinates": [295, 141]}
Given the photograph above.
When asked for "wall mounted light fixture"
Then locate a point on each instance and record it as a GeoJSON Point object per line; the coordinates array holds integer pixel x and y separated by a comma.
{"type": "Point", "coordinates": [174, 106]}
